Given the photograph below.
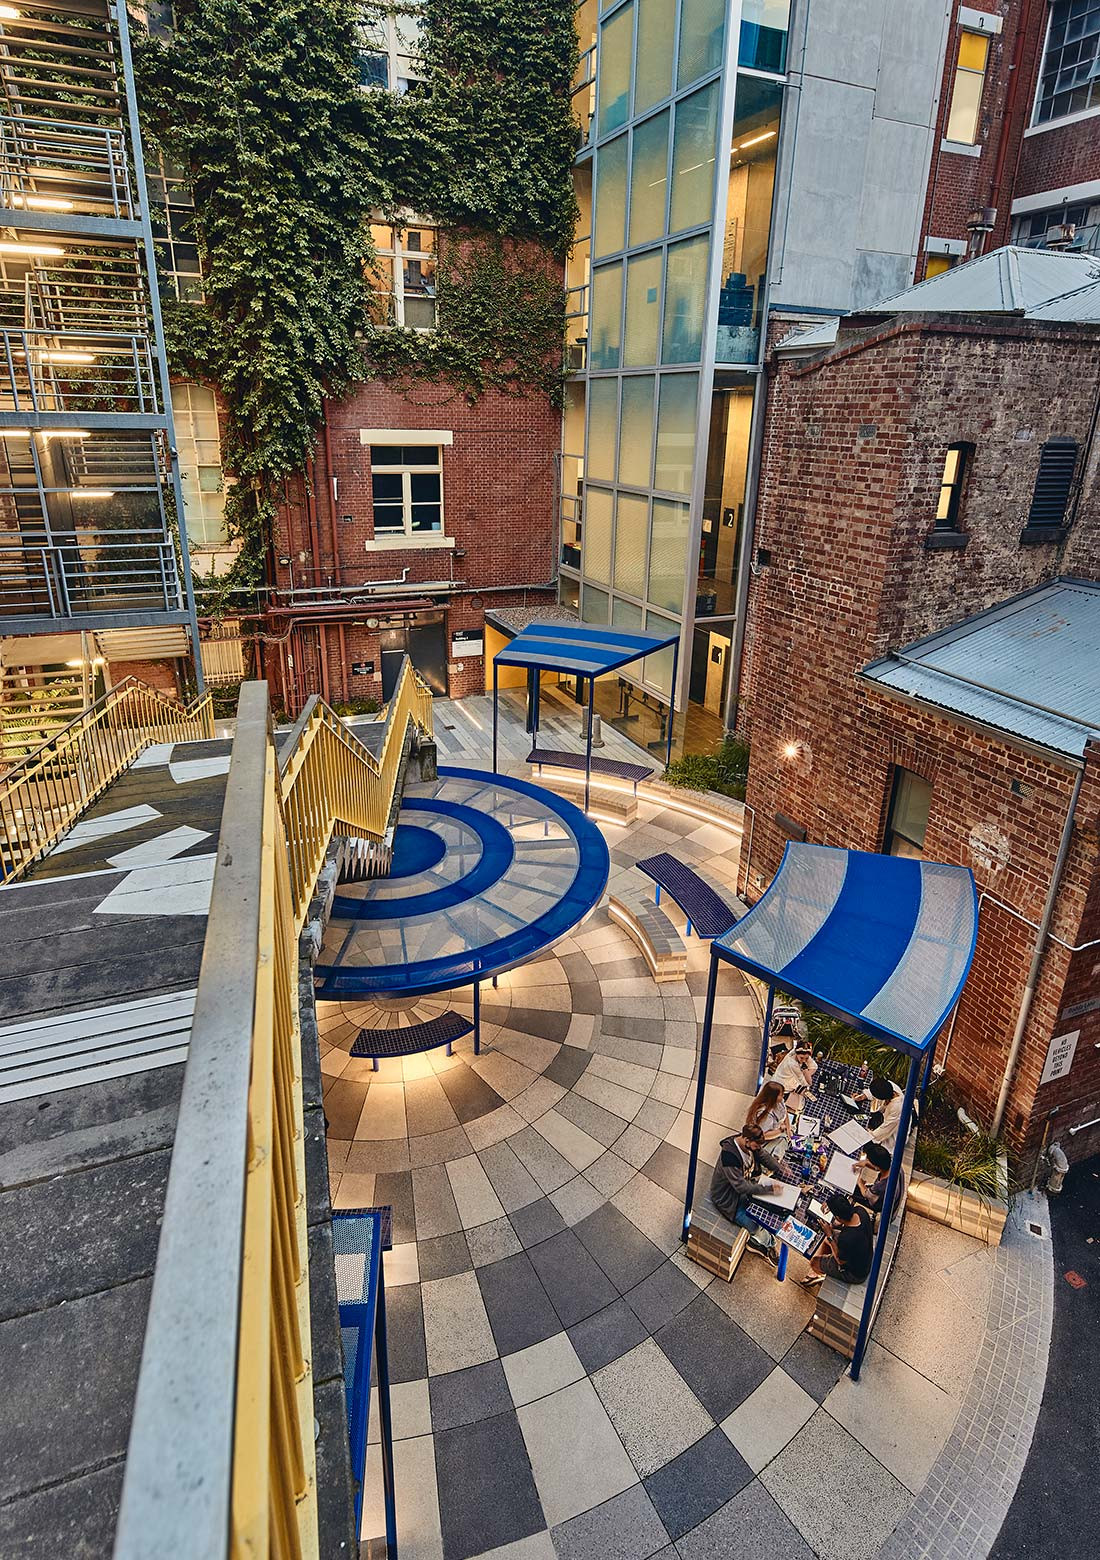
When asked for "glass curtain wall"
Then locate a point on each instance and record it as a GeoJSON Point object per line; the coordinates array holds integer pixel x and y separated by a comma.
{"type": "Point", "coordinates": [652, 185]}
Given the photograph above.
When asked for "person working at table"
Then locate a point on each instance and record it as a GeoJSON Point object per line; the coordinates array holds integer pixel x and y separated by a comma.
{"type": "Point", "coordinates": [794, 1069]}
{"type": "Point", "coordinates": [870, 1192]}
{"type": "Point", "coordinates": [738, 1179]}
{"type": "Point", "coordinates": [845, 1253]}
{"type": "Point", "coordinates": [885, 1100]}
{"type": "Point", "coordinates": [768, 1111]}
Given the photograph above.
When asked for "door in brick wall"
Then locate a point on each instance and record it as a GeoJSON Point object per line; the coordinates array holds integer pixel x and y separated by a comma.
{"type": "Point", "coordinates": [424, 642]}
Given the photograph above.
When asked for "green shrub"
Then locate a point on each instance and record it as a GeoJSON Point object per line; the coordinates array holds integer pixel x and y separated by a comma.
{"type": "Point", "coordinates": [356, 707]}
{"type": "Point", "coordinates": [724, 770]}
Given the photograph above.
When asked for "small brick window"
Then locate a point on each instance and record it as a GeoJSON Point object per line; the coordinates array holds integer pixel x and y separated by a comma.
{"type": "Point", "coordinates": [907, 822]}
{"type": "Point", "coordinates": [407, 489]}
{"type": "Point", "coordinates": [964, 115]}
{"type": "Point", "coordinates": [956, 464]}
{"type": "Point", "coordinates": [1053, 482]}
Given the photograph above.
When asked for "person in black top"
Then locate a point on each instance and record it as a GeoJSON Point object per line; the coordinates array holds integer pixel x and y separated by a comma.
{"type": "Point", "coordinates": [738, 1178]}
{"type": "Point", "coordinates": [845, 1252]}
{"type": "Point", "coordinates": [871, 1195]}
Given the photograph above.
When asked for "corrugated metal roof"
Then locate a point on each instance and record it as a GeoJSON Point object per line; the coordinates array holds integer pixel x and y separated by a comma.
{"type": "Point", "coordinates": [1081, 307]}
{"type": "Point", "coordinates": [1012, 280]}
{"type": "Point", "coordinates": [823, 334]}
{"type": "Point", "coordinates": [1029, 667]}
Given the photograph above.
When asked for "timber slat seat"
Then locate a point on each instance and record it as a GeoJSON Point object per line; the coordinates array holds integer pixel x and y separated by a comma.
{"type": "Point", "coordinates": [613, 768]}
{"type": "Point", "coordinates": [706, 911]}
{"type": "Point", "coordinates": [412, 1038]}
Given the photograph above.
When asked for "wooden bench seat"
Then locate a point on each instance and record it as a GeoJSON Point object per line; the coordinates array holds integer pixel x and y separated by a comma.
{"type": "Point", "coordinates": [713, 1242]}
{"type": "Point", "coordinates": [661, 944]}
{"type": "Point", "coordinates": [413, 1038]}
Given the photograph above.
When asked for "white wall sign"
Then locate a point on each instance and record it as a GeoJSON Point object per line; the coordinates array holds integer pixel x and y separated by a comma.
{"type": "Point", "coordinates": [1059, 1056]}
{"type": "Point", "coordinates": [467, 642]}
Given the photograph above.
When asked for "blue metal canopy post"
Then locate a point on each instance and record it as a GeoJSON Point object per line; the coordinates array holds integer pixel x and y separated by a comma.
{"type": "Point", "coordinates": [700, 1089]}
{"type": "Point", "coordinates": [496, 695]}
{"type": "Point", "coordinates": [885, 1216]}
{"type": "Point", "coordinates": [765, 1038]}
{"type": "Point", "coordinates": [588, 744]}
{"type": "Point", "coordinates": [672, 701]}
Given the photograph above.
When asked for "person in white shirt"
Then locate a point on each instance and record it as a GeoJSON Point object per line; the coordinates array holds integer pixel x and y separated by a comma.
{"type": "Point", "coordinates": [885, 1099]}
{"type": "Point", "coordinates": [794, 1069]}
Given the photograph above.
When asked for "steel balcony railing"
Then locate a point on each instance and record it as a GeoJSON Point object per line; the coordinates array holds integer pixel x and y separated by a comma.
{"type": "Point", "coordinates": [49, 165]}
{"type": "Point", "coordinates": [74, 574]}
{"type": "Point", "coordinates": [76, 371]}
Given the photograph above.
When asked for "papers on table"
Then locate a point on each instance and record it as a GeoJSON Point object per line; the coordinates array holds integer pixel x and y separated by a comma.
{"type": "Point", "coordinates": [808, 1126]}
{"type": "Point", "coordinates": [851, 1137]}
{"type": "Point", "coordinates": [841, 1172]}
{"type": "Point", "coordinates": [800, 1236]}
{"type": "Point", "coordinates": [784, 1196]}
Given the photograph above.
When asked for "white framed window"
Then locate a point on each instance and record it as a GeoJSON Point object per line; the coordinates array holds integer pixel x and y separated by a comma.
{"type": "Point", "coordinates": [390, 49]}
{"type": "Point", "coordinates": [403, 275]}
{"type": "Point", "coordinates": [407, 489]}
{"type": "Point", "coordinates": [1069, 80]}
{"type": "Point", "coordinates": [198, 442]}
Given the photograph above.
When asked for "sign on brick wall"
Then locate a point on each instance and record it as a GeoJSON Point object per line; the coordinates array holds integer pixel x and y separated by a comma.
{"type": "Point", "coordinates": [1060, 1053]}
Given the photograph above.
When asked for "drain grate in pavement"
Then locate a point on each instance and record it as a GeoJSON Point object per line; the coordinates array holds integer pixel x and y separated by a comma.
{"type": "Point", "coordinates": [1076, 1280]}
{"type": "Point", "coordinates": [1037, 1230]}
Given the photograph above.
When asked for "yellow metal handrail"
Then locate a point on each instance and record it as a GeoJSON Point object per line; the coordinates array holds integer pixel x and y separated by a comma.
{"type": "Point", "coordinates": [43, 796]}
{"type": "Point", "coordinates": [330, 778]}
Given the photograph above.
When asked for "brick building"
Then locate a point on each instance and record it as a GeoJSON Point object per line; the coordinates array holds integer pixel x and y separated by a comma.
{"type": "Point", "coordinates": [918, 474]}
{"type": "Point", "coordinates": [1016, 154]}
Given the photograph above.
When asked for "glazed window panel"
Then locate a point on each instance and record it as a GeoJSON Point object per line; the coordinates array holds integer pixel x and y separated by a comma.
{"type": "Point", "coordinates": [1069, 82]}
{"type": "Point", "coordinates": [964, 115]}
{"type": "Point", "coordinates": [636, 430]}
{"type": "Point", "coordinates": [668, 554]}
{"type": "Point", "coordinates": [607, 308]}
{"type": "Point", "coordinates": [616, 58]}
{"type": "Point", "coordinates": [702, 31]}
{"type": "Point", "coordinates": [643, 309]}
{"type": "Point", "coordinates": [649, 180]}
{"type": "Point", "coordinates": [676, 408]}
{"type": "Point", "coordinates": [656, 46]}
{"type": "Point", "coordinates": [603, 411]}
{"type": "Point", "coordinates": [402, 276]}
{"type": "Point", "coordinates": [631, 524]}
{"type": "Point", "coordinates": [390, 51]}
{"type": "Point", "coordinates": [598, 510]}
{"type": "Point", "coordinates": [195, 415]}
{"type": "Point", "coordinates": [693, 159]}
{"type": "Point", "coordinates": [610, 229]}
{"type": "Point", "coordinates": [685, 295]}
{"type": "Point", "coordinates": [407, 489]}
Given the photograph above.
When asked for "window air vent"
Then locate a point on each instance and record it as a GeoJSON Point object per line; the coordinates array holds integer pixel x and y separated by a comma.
{"type": "Point", "coordinates": [1057, 463]}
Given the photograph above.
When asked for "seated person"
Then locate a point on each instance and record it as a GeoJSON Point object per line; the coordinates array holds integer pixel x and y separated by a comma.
{"type": "Point", "coordinates": [737, 1180]}
{"type": "Point", "coordinates": [794, 1069]}
{"type": "Point", "coordinates": [885, 1100]}
{"type": "Point", "coordinates": [768, 1111]}
{"type": "Point", "coordinates": [871, 1188]}
{"type": "Point", "coordinates": [845, 1253]}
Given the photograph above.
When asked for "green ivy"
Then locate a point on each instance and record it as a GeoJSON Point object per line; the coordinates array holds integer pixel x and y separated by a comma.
{"type": "Point", "coordinates": [259, 102]}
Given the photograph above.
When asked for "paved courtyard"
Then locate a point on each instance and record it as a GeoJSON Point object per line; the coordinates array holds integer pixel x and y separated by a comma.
{"type": "Point", "coordinates": [567, 1384]}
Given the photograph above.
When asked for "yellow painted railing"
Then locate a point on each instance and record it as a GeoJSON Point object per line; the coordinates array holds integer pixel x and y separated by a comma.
{"type": "Point", "coordinates": [221, 1455]}
{"type": "Point", "coordinates": [330, 778]}
{"type": "Point", "coordinates": [43, 796]}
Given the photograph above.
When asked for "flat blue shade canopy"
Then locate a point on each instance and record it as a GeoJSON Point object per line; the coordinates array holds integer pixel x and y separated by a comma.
{"type": "Point", "coordinates": [883, 943]}
{"type": "Point", "coordinates": [579, 648]}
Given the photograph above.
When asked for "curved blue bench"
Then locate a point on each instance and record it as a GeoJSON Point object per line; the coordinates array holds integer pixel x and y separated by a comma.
{"type": "Point", "coordinates": [709, 914]}
{"type": "Point", "coordinates": [614, 768]}
{"type": "Point", "coordinates": [413, 1038]}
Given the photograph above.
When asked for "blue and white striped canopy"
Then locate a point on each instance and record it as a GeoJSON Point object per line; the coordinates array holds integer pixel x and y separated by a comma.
{"type": "Point", "coordinates": [883, 943]}
{"type": "Point", "coordinates": [578, 647]}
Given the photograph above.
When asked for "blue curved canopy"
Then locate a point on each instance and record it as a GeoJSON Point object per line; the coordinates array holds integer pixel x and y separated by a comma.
{"type": "Point", "coordinates": [580, 648]}
{"type": "Point", "coordinates": [883, 943]}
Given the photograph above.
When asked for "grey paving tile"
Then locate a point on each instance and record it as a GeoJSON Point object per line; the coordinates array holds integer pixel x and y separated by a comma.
{"type": "Point", "coordinates": [609, 1174]}
{"type": "Point", "coordinates": [840, 1498]}
{"type": "Point", "coordinates": [537, 1221]}
{"type": "Point", "coordinates": [427, 1107]}
{"type": "Point", "coordinates": [577, 1458]}
{"type": "Point", "coordinates": [815, 1366]}
{"type": "Point", "coordinates": [405, 1333]}
{"type": "Point", "coordinates": [661, 1296]}
{"type": "Point", "coordinates": [518, 1307]}
{"type": "Point", "coordinates": [456, 1328]}
{"type": "Point", "coordinates": [433, 1200]}
{"type": "Point", "coordinates": [626, 1527]}
{"type": "Point", "coordinates": [487, 1497]}
{"type": "Point", "coordinates": [604, 1337]}
{"type": "Point", "coordinates": [578, 1199]}
{"type": "Point", "coordinates": [694, 1485]}
{"type": "Point", "coordinates": [668, 1167]}
{"type": "Point", "coordinates": [513, 1184]}
{"type": "Point", "coordinates": [749, 1527]}
{"type": "Point", "coordinates": [464, 1396]}
{"type": "Point", "coordinates": [577, 1286]}
{"type": "Point", "coordinates": [395, 1190]}
{"type": "Point", "coordinates": [543, 1368]}
{"type": "Point", "coordinates": [630, 1389]}
{"type": "Point", "coordinates": [443, 1255]}
{"type": "Point", "coordinates": [468, 1095]}
{"type": "Point", "coordinates": [544, 1162]}
{"type": "Point", "coordinates": [600, 1124]}
{"type": "Point", "coordinates": [568, 1065]}
{"type": "Point", "coordinates": [620, 1248]}
{"type": "Point", "coordinates": [719, 1362]}
{"type": "Point", "coordinates": [491, 1242]}
{"type": "Point", "coordinates": [548, 1025]}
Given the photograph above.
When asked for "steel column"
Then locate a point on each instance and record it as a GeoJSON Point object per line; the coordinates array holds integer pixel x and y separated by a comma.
{"type": "Point", "coordinates": [700, 1089]}
{"type": "Point", "coordinates": [766, 1038]}
{"type": "Point", "coordinates": [588, 744]}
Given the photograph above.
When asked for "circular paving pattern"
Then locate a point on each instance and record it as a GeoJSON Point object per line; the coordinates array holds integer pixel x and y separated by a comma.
{"type": "Point", "coordinates": [489, 871]}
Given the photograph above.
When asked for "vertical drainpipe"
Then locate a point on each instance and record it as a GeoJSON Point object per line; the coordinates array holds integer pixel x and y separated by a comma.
{"type": "Point", "coordinates": [1038, 950]}
{"type": "Point", "coordinates": [138, 158]}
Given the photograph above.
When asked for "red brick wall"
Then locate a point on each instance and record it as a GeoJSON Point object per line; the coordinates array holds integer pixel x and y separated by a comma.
{"type": "Point", "coordinates": [853, 451]}
{"type": "Point", "coordinates": [155, 674]}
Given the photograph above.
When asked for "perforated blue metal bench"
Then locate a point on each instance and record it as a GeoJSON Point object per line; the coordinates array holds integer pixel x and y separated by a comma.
{"type": "Point", "coordinates": [614, 768]}
{"type": "Point", "coordinates": [414, 1038]}
{"type": "Point", "coordinates": [706, 911]}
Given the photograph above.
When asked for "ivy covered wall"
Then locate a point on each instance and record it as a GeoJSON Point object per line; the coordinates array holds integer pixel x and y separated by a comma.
{"type": "Point", "coordinates": [259, 102]}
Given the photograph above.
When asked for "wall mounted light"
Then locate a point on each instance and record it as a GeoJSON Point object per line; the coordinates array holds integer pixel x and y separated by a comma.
{"type": "Point", "coordinates": [50, 251]}
{"type": "Point", "coordinates": [91, 492]}
{"type": "Point", "coordinates": [42, 202]}
{"type": "Point", "coordinates": [8, 13]}
{"type": "Point", "coordinates": [791, 750]}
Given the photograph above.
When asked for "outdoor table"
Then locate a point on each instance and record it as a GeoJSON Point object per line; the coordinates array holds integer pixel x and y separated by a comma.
{"type": "Point", "coordinates": [830, 1109]}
